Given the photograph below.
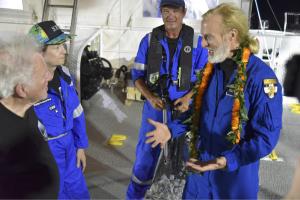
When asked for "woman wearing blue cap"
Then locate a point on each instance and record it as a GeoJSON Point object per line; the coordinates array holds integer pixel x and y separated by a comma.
{"type": "Point", "coordinates": [61, 114]}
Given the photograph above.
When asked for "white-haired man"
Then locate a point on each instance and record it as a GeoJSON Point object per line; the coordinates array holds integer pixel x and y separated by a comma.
{"type": "Point", "coordinates": [27, 167]}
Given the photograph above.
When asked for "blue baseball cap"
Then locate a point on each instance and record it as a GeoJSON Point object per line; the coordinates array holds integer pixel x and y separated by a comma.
{"type": "Point", "coordinates": [175, 3]}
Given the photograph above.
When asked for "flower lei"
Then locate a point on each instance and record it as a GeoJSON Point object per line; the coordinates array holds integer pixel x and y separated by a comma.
{"type": "Point", "coordinates": [239, 110]}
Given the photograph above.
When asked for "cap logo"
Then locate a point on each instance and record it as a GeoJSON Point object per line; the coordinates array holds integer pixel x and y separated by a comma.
{"type": "Point", "coordinates": [55, 28]}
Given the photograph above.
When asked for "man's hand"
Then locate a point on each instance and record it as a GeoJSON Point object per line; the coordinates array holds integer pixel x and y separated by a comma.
{"type": "Point", "coordinates": [156, 102]}
{"type": "Point", "coordinates": [160, 135]}
{"type": "Point", "coordinates": [218, 163]}
{"type": "Point", "coordinates": [182, 104]}
{"type": "Point", "coordinates": [81, 159]}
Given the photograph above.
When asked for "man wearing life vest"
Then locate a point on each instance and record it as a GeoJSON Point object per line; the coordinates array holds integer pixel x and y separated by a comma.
{"type": "Point", "coordinates": [172, 51]}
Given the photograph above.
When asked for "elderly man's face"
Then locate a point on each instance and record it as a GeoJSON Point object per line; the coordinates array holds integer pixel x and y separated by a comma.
{"type": "Point", "coordinates": [55, 55]}
{"type": "Point", "coordinates": [214, 39]}
{"type": "Point", "coordinates": [38, 87]}
{"type": "Point", "coordinates": [172, 17]}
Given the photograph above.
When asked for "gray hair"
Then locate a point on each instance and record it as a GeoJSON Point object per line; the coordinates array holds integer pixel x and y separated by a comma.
{"type": "Point", "coordinates": [16, 61]}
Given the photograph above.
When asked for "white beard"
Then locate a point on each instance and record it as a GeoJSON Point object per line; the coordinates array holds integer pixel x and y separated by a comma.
{"type": "Point", "coordinates": [220, 54]}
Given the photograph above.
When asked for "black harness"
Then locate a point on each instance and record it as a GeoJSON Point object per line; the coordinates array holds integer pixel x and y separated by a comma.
{"type": "Point", "coordinates": [155, 54]}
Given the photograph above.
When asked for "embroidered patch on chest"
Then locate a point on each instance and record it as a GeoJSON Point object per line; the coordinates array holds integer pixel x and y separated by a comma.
{"type": "Point", "coordinates": [270, 87]}
{"type": "Point", "coordinates": [52, 107]}
{"type": "Point", "coordinates": [154, 77]}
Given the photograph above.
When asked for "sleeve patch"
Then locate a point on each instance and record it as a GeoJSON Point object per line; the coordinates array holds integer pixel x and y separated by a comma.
{"type": "Point", "coordinates": [270, 87]}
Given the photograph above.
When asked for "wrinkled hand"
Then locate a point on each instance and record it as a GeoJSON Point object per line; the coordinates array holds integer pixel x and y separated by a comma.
{"type": "Point", "coordinates": [81, 159]}
{"type": "Point", "coordinates": [156, 102]}
{"type": "Point", "coordinates": [182, 104]}
{"type": "Point", "coordinates": [218, 163]}
{"type": "Point", "coordinates": [160, 135]}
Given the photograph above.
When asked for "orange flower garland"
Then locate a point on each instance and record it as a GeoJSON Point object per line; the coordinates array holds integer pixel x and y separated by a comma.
{"type": "Point", "coordinates": [238, 115]}
{"type": "Point", "coordinates": [202, 85]}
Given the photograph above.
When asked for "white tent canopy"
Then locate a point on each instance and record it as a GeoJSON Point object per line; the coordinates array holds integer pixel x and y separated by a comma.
{"type": "Point", "coordinates": [119, 25]}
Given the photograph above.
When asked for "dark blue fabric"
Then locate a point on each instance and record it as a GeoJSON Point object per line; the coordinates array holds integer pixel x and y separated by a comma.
{"type": "Point", "coordinates": [146, 157]}
{"type": "Point", "coordinates": [259, 136]}
{"type": "Point", "coordinates": [56, 113]}
{"type": "Point", "coordinates": [72, 183]}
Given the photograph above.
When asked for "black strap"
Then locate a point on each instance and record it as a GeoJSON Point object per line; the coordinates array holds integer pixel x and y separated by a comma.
{"type": "Point", "coordinates": [155, 53]}
{"type": "Point", "coordinates": [185, 60]}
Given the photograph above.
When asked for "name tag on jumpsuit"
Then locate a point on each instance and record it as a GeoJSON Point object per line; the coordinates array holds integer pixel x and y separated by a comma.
{"type": "Point", "coordinates": [229, 91]}
{"type": "Point", "coordinates": [53, 108]}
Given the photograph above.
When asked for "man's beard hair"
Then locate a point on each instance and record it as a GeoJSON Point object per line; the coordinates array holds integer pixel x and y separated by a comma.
{"type": "Point", "coordinates": [220, 54]}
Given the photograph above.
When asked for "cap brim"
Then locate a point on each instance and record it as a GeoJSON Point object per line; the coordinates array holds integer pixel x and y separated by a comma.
{"type": "Point", "coordinates": [60, 39]}
{"type": "Point", "coordinates": [171, 4]}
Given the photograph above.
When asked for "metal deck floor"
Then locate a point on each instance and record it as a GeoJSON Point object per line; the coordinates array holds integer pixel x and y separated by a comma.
{"type": "Point", "coordinates": [109, 168]}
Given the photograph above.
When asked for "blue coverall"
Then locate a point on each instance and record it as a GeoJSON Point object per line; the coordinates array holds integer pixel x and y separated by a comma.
{"type": "Point", "coordinates": [240, 178]}
{"type": "Point", "coordinates": [146, 156]}
{"type": "Point", "coordinates": [63, 125]}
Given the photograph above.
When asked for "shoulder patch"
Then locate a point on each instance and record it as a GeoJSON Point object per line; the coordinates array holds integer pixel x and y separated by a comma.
{"type": "Point", "coordinates": [270, 87]}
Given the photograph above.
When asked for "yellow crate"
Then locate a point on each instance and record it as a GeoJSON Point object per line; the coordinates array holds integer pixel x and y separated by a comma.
{"type": "Point", "coordinates": [130, 93]}
{"type": "Point", "coordinates": [133, 94]}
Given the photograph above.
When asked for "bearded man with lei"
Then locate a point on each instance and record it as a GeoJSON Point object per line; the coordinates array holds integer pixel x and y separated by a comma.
{"type": "Point", "coordinates": [236, 115]}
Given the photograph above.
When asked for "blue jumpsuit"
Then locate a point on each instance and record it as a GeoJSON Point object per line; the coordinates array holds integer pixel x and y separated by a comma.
{"type": "Point", "coordinates": [146, 156]}
{"type": "Point", "coordinates": [263, 99]}
{"type": "Point", "coordinates": [63, 126]}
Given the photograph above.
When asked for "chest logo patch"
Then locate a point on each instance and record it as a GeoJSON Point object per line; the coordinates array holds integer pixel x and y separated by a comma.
{"type": "Point", "coordinates": [153, 77]}
{"type": "Point", "coordinates": [270, 87]}
{"type": "Point", "coordinates": [187, 49]}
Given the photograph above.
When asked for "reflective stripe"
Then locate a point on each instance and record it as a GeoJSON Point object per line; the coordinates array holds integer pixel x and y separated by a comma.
{"type": "Point", "coordinates": [136, 180]}
{"type": "Point", "coordinates": [175, 82]}
{"type": "Point", "coordinates": [149, 39]}
{"type": "Point", "coordinates": [45, 135]}
{"type": "Point", "coordinates": [56, 137]}
{"type": "Point", "coordinates": [139, 66]}
{"type": "Point", "coordinates": [42, 130]}
{"type": "Point", "coordinates": [78, 111]}
{"type": "Point", "coordinates": [43, 101]}
{"type": "Point", "coordinates": [195, 40]}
